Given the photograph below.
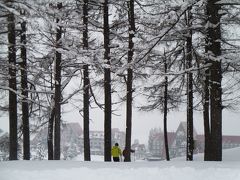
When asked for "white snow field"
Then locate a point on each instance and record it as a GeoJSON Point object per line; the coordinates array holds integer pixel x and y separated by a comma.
{"type": "Point", "coordinates": [179, 169]}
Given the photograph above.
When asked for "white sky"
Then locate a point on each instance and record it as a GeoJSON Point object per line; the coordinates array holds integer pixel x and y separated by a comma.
{"type": "Point", "coordinates": [144, 121]}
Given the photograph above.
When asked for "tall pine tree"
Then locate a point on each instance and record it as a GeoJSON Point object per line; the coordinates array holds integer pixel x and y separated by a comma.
{"type": "Point", "coordinates": [213, 137]}
{"type": "Point", "coordinates": [13, 145]}
{"type": "Point", "coordinates": [58, 94]}
{"type": "Point", "coordinates": [131, 34]}
{"type": "Point", "coordinates": [24, 86]}
{"type": "Point", "coordinates": [86, 84]}
{"type": "Point", "coordinates": [107, 84]}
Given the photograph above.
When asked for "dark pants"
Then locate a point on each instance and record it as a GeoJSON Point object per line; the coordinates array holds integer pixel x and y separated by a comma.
{"type": "Point", "coordinates": [116, 159]}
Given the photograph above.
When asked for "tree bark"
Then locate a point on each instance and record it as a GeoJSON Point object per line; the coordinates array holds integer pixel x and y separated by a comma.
{"type": "Point", "coordinates": [107, 86]}
{"type": "Point", "coordinates": [24, 86]}
{"type": "Point", "coordinates": [13, 145]}
{"type": "Point", "coordinates": [57, 130]}
{"type": "Point", "coordinates": [190, 141]}
{"type": "Point", "coordinates": [213, 49]}
{"type": "Point", "coordinates": [86, 84]}
{"type": "Point", "coordinates": [50, 135]}
{"type": "Point", "coordinates": [131, 32]}
{"type": "Point", "coordinates": [207, 130]}
{"type": "Point", "coordinates": [165, 113]}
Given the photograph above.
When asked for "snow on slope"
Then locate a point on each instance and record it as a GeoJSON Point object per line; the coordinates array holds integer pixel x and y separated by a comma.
{"type": "Point", "coordinates": [229, 169]}
{"type": "Point", "coordinates": [228, 155]}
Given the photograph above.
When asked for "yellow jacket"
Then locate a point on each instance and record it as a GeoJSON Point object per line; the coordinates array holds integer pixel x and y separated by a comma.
{"type": "Point", "coordinates": [116, 151]}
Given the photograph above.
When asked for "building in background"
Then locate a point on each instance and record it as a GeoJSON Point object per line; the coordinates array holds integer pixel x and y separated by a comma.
{"type": "Point", "coordinates": [70, 142]}
{"type": "Point", "coordinates": [140, 151]}
{"type": "Point", "coordinates": [97, 141]}
{"type": "Point", "coordinates": [177, 142]}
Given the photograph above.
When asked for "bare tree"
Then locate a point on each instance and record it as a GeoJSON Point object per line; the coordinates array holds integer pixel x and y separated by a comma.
{"type": "Point", "coordinates": [24, 86]}
{"type": "Point", "coordinates": [165, 110]}
{"type": "Point", "coordinates": [131, 34]}
{"type": "Point", "coordinates": [107, 85]}
{"type": "Point", "coordinates": [86, 85]}
{"type": "Point", "coordinates": [190, 141]}
{"type": "Point", "coordinates": [12, 85]}
{"type": "Point", "coordinates": [213, 127]}
{"type": "Point", "coordinates": [50, 134]}
{"type": "Point", "coordinates": [58, 93]}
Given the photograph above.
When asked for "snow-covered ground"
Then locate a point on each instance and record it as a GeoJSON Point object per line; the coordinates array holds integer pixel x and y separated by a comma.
{"type": "Point", "coordinates": [228, 169]}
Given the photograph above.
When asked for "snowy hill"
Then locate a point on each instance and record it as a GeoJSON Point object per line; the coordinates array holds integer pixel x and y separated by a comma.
{"type": "Point", "coordinates": [229, 169]}
{"type": "Point", "coordinates": [228, 155]}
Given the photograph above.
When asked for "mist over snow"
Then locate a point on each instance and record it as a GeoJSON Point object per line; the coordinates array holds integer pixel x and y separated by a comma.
{"type": "Point", "coordinates": [228, 169]}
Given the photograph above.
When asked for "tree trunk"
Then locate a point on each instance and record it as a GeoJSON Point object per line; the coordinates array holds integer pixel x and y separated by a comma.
{"type": "Point", "coordinates": [207, 131]}
{"type": "Point", "coordinates": [51, 123]}
{"type": "Point", "coordinates": [165, 113]}
{"type": "Point", "coordinates": [57, 132]}
{"type": "Point", "coordinates": [24, 86]}
{"type": "Point", "coordinates": [86, 85]}
{"type": "Point", "coordinates": [13, 145]}
{"type": "Point", "coordinates": [107, 86]}
{"type": "Point", "coordinates": [190, 141]}
{"type": "Point", "coordinates": [50, 135]}
{"type": "Point", "coordinates": [131, 30]}
{"type": "Point", "coordinates": [213, 49]}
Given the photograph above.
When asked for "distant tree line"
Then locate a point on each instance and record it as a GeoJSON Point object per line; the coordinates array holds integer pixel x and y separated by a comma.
{"type": "Point", "coordinates": [171, 53]}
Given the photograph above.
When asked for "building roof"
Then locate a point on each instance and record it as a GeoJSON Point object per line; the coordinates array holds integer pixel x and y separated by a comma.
{"type": "Point", "coordinates": [231, 139]}
{"type": "Point", "coordinates": [225, 139]}
{"type": "Point", "coordinates": [200, 137]}
{"type": "Point", "coordinates": [183, 125]}
{"type": "Point", "coordinates": [96, 134]}
{"type": "Point", "coordinates": [160, 136]}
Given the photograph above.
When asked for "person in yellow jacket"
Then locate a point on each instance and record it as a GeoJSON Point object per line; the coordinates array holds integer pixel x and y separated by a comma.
{"type": "Point", "coordinates": [116, 153]}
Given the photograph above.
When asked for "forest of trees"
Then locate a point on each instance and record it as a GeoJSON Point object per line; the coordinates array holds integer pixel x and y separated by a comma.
{"type": "Point", "coordinates": [170, 53]}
